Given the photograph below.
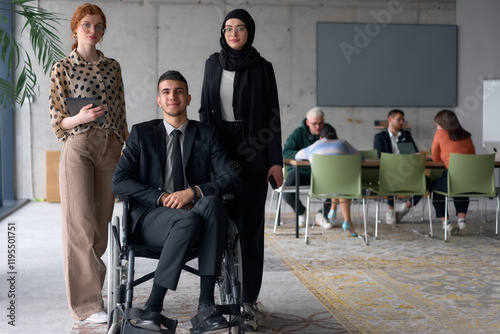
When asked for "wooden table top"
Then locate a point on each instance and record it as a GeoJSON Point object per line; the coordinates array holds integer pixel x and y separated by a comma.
{"type": "Point", "coordinates": [373, 163]}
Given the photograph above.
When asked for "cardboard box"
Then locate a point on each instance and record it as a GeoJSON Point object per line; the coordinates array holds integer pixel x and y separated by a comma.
{"type": "Point", "coordinates": [53, 176]}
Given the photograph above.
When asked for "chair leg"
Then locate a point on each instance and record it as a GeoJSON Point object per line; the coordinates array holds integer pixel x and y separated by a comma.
{"type": "Point", "coordinates": [377, 206]}
{"type": "Point", "coordinates": [496, 216]}
{"type": "Point", "coordinates": [445, 218]}
{"type": "Point", "coordinates": [306, 239]}
{"type": "Point", "coordinates": [412, 213]}
{"type": "Point", "coordinates": [364, 220]}
{"type": "Point", "coordinates": [278, 212]}
{"type": "Point", "coordinates": [482, 217]}
{"type": "Point", "coordinates": [430, 216]}
{"type": "Point", "coordinates": [477, 212]}
{"type": "Point", "coordinates": [423, 210]}
{"type": "Point", "coordinates": [269, 207]}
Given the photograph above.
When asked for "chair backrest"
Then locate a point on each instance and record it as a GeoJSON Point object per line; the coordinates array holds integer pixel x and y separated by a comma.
{"type": "Point", "coordinates": [435, 173]}
{"type": "Point", "coordinates": [337, 176]}
{"type": "Point", "coordinates": [370, 154]}
{"type": "Point", "coordinates": [471, 174]}
{"type": "Point", "coordinates": [369, 176]}
{"type": "Point", "coordinates": [402, 174]}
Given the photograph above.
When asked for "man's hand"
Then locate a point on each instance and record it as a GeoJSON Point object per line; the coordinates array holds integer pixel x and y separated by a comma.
{"type": "Point", "coordinates": [277, 172]}
{"type": "Point", "coordinates": [178, 200]}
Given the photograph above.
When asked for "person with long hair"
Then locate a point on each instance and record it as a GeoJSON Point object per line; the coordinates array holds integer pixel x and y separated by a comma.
{"type": "Point", "coordinates": [450, 137]}
{"type": "Point", "coordinates": [240, 98]}
{"type": "Point", "coordinates": [91, 149]}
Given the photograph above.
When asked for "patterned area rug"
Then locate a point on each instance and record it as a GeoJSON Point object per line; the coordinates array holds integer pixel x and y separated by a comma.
{"type": "Point", "coordinates": [402, 282]}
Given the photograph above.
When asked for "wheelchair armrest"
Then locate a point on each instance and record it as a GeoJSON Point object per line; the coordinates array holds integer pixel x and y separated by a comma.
{"type": "Point", "coordinates": [123, 198]}
{"type": "Point", "coordinates": [125, 225]}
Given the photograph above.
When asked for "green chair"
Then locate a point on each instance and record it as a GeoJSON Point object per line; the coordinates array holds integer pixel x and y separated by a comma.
{"type": "Point", "coordinates": [470, 175]}
{"type": "Point", "coordinates": [433, 174]}
{"type": "Point", "coordinates": [370, 154]}
{"type": "Point", "coordinates": [401, 175]}
{"type": "Point", "coordinates": [369, 176]}
{"type": "Point", "coordinates": [304, 190]}
{"type": "Point", "coordinates": [336, 176]}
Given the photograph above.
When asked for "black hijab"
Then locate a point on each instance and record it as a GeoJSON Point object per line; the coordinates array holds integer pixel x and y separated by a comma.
{"type": "Point", "coordinates": [249, 87]}
{"type": "Point", "coordinates": [237, 60]}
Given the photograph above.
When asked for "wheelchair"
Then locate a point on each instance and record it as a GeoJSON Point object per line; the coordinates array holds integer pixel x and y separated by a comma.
{"type": "Point", "coordinates": [122, 253]}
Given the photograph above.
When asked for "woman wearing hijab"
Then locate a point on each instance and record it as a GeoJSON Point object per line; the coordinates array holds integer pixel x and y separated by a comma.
{"type": "Point", "coordinates": [240, 98]}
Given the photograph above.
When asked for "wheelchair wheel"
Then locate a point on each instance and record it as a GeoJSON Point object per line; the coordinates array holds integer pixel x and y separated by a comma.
{"type": "Point", "coordinates": [114, 273]}
{"type": "Point", "coordinates": [229, 284]}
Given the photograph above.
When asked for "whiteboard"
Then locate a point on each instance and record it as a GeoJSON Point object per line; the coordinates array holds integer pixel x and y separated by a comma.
{"type": "Point", "coordinates": [491, 115]}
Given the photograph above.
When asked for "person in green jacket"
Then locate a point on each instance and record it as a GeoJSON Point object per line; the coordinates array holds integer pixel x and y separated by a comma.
{"type": "Point", "coordinates": [303, 136]}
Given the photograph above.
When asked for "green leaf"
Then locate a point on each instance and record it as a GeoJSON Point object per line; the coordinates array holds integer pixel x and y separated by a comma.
{"type": "Point", "coordinates": [46, 46]}
{"type": "Point", "coordinates": [7, 93]}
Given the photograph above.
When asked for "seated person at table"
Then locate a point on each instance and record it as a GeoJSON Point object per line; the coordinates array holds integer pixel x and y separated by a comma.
{"type": "Point", "coordinates": [303, 136]}
{"type": "Point", "coordinates": [450, 137]}
{"type": "Point", "coordinates": [174, 205]}
{"type": "Point", "coordinates": [330, 144]}
{"type": "Point", "coordinates": [387, 141]}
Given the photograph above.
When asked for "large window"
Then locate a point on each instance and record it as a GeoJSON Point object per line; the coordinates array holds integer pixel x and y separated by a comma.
{"type": "Point", "coordinates": [7, 201]}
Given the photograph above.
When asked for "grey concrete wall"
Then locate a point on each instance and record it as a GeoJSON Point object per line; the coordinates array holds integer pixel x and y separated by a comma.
{"type": "Point", "coordinates": [479, 52]}
{"type": "Point", "coordinates": [149, 37]}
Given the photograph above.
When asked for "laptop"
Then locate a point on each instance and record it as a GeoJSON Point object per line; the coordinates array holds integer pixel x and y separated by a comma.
{"type": "Point", "coordinates": [406, 147]}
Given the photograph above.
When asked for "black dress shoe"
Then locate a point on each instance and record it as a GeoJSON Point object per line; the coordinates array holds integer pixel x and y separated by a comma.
{"type": "Point", "coordinates": [215, 322]}
{"type": "Point", "coordinates": [208, 318]}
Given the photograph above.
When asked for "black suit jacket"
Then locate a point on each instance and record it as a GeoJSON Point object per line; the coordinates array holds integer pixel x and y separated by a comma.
{"type": "Point", "coordinates": [140, 172]}
{"type": "Point", "coordinates": [382, 141]}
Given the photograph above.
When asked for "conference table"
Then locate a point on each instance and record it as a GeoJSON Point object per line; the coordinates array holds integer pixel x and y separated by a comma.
{"type": "Point", "coordinates": [367, 164]}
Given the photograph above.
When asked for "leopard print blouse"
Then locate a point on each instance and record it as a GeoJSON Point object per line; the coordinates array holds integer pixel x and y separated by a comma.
{"type": "Point", "coordinates": [75, 77]}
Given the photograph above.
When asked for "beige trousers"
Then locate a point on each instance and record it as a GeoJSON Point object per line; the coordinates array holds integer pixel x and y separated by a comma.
{"type": "Point", "coordinates": [86, 168]}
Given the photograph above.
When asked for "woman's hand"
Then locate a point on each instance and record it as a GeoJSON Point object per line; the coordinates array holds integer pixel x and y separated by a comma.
{"type": "Point", "coordinates": [87, 114]}
{"type": "Point", "coordinates": [277, 172]}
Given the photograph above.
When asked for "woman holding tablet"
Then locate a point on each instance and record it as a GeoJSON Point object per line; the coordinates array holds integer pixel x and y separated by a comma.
{"type": "Point", "coordinates": [88, 158]}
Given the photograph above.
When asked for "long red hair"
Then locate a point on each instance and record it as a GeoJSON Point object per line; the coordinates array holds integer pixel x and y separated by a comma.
{"type": "Point", "coordinates": [80, 13]}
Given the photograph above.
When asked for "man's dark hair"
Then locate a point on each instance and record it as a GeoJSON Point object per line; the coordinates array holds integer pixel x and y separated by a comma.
{"type": "Point", "coordinates": [394, 112]}
{"type": "Point", "coordinates": [172, 75]}
{"type": "Point", "coordinates": [328, 132]}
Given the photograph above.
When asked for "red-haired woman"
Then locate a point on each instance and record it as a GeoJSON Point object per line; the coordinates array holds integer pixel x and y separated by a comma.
{"type": "Point", "coordinates": [89, 155]}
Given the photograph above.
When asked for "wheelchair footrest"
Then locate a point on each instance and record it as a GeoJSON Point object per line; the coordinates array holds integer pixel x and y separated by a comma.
{"type": "Point", "coordinates": [131, 329]}
{"type": "Point", "coordinates": [135, 313]}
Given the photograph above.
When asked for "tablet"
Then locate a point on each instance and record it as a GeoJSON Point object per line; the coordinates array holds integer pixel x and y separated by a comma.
{"type": "Point", "coordinates": [406, 148]}
{"type": "Point", "coordinates": [75, 104]}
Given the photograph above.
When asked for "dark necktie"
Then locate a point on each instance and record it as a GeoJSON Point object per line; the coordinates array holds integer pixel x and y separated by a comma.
{"type": "Point", "coordinates": [177, 169]}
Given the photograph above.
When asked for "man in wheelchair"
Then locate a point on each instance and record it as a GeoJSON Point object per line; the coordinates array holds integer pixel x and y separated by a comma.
{"type": "Point", "coordinates": [173, 172]}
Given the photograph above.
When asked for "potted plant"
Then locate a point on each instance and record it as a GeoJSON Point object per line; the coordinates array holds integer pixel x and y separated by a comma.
{"type": "Point", "coordinates": [41, 26]}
